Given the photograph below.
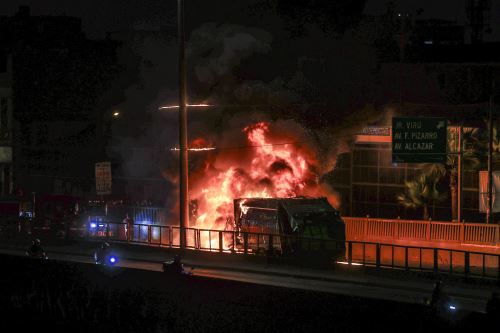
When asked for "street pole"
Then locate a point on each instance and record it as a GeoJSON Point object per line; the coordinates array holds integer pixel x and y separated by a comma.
{"type": "Point", "coordinates": [459, 171]}
{"type": "Point", "coordinates": [489, 209]}
{"type": "Point", "coordinates": [401, 59]}
{"type": "Point", "coordinates": [183, 156]}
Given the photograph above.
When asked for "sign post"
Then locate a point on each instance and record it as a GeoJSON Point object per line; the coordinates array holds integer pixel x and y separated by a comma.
{"type": "Point", "coordinates": [419, 140]}
{"type": "Point", "coordinates": [103, 178]}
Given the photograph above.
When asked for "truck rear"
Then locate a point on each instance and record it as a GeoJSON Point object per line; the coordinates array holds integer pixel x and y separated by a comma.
{"type": "Point", "coordinates": [297, 225]}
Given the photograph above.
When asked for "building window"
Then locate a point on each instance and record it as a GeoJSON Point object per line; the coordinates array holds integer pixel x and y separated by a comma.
{"type": "Point", "coordinates": [389, 194]}
{"type": "Point", "coordinates": [471, 179]}
{"type": "Point", "coordinates": [3, 63]}
{"type": "Point", "coordinates": [365, 174]}
{"type": "Point", "coordinates": [4, 118]}
{"type": "Point", "coordinates": [365, 193]}
{"type": "Point", "coordinates": [392, 175]}
{"type": "Point", "coordinates": [365, 157]}
{"type": "Point", "coordinates": [41, 134]}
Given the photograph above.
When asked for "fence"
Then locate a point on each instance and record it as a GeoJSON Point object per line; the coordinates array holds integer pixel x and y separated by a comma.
{"type": "Point", "coordinates": [360, 252]}
{"type": "Point", "coordinates": [144, 215]}
{"type": "Point", "coordinates": [354, 252]}
{"type": "Point", "coordinates": [368, 229]}
{"type": "Point", "coordinates": [208, 240]}
{"type": "Point", "coordinates": [424, 259]}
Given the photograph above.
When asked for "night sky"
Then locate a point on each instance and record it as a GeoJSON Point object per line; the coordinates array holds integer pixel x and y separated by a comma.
{"type": "Point", "coordinates": [239, 56]}
{"type": "Point", "coordinates": [101, 16]}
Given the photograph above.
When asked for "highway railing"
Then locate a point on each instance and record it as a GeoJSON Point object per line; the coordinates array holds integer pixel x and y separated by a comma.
{"type": "Point", "coordinates": [211, 240]}
{"type": "Point", "coordinates": [364, 253]}
{"type": "Point", "coordinates": [439, 260]}
{"type": "Point", "coordinates": [351, 252]}
{"type": "Point", "coordinates": [370, 229]}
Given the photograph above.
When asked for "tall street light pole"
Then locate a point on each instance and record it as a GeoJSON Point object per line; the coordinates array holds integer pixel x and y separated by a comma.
{"type": "Point", "coordinates": [183, 156]}
{"type": "Point", "coordinates": [489, 209]}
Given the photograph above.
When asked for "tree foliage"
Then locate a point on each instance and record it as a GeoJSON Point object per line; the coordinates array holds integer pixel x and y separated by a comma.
{"type": "Point", "coordinates": [425, 190]}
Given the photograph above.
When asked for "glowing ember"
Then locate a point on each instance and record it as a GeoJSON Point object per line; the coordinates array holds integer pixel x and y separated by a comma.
{"type": "Point", "coordinates": [188, 105]}
{"type": "Point", "coordinates": [195, 149]}
{"type": "Point", "coordinates": [197, 145]}
{"type": "Point", "coordinates": [264, 171]}
{"type": "Point", "coordinates": [243, 208]}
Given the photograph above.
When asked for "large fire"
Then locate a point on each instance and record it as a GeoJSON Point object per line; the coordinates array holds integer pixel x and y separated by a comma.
{"type": "Point", "coordinates": [263, 170]}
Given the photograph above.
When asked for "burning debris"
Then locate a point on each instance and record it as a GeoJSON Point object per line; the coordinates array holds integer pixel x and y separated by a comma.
{"type": "Point", "coordinates": [266, 170]}
{"type": "Point", "coordinates": [302, 217]}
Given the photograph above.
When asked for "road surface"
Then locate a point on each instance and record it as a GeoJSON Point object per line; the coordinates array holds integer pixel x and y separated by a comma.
{"type": "Point", "coordinates": [464, 298]}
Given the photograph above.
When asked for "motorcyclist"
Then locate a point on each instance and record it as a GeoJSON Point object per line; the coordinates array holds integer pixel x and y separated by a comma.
{"type": "Point", "coordinates": [442, 303]}
{"type": "Point", "coordinates": [177, 265]}
{"type": "Point", "coordinates": [102, 252]}
{"type": "Point", "coordinates": [436, 294]}
{"type": "Point", "coordinates": [493, 306]}
{"type": "Point", "coordinates": [36, 250]}
{"type": "Point", "coordinates": [174, 266]}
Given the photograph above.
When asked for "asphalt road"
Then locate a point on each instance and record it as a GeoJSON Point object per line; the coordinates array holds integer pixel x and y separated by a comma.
{"type": "Point", "coordinates": [465, 300]}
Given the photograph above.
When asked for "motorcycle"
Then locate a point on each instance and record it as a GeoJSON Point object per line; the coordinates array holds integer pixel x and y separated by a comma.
{"type": "Point", "coordinates": [104, 256]}
{"type": "Point", "coordinates": [448, 309]}
{"type": "Point", "coordinates": [36, 251]}
{"type": "Point", "coordinates": [107, 260]}
{"type": "Point", "coordinates": [35, 255]}
{"type": "Point", "coordinates": [174, 266]}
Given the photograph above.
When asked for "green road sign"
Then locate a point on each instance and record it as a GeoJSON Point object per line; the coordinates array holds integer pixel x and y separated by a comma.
{"type": "Point", "coordinates": [419, 140]}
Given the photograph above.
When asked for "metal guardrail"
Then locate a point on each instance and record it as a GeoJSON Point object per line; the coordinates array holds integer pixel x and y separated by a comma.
{"type": "Point", "coordinates": [354, 252]}
{"type": "Point", "coordinates": [209, 240]}
{"type": "Point", "coordinates": [374, 254]}
{"type": "Point", "coordinates": [368, 229]}
{"type": "Point", "coordinates": [438, 260]}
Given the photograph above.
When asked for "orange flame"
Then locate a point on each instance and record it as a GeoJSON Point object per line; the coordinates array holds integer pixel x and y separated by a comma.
{"type": "Point", "coordinates": [265, 171]}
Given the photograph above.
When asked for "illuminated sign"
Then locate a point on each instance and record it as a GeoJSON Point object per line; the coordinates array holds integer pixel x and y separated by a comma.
{"type": "Point", "coordinates": [419, 140]}
{"type": "Point", "coordinates": [103, 178]}
{"type": "Point", "coordinates": [376, 130]}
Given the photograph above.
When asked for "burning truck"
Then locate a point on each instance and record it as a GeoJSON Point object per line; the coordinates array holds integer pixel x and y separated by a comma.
{"type": "Point", "coordinates": [300, 224]}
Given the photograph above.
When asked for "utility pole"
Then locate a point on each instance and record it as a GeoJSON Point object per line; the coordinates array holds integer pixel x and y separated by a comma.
{"type": "Point", "coordinates": [183, 156]}
{"type": "Point", "coordinates": [459, 171]}
{"type": "Point", "coordinates": [402, 45]}
{"type": "Point", "coordinates": [489, 209]}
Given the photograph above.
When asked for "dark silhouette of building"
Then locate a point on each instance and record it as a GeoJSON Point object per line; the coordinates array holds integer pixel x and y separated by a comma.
{"type": "Point", "coordinates": [53, 80]}
{"type": "Point", "coordinates": [427, 68]}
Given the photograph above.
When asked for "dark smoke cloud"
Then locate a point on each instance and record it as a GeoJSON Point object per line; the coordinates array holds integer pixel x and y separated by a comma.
{"type": "Point", "coordinates": [218, 49]}
{"type": "Point", "coordinates": [283, 82]}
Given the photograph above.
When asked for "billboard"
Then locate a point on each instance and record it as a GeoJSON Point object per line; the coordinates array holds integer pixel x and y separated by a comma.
{"type": "Point", "coordinates": [103, 178]}
{"type": "Point", "coordinates": [483, 191]}
{"type": "Point", "coordinates": [419, 140]}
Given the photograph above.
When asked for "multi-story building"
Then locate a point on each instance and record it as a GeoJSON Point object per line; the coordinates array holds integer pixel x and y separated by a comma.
{"type": "Point", "coordinates": [433, 68]}
{"type": "Point", "coordinates": [6, 177]}
{"type": "Point", "coordinates": [369, 182]}
{"type": "Point", "coordinates": [52, 79]}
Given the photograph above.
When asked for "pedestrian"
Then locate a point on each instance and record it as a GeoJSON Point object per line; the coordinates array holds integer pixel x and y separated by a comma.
{"type": "Point", "coordinates": [493, 306]}
{"type": "Point", "coordinates": [129, 223]}
{"type": "Point", "coordinates": [436, 293]}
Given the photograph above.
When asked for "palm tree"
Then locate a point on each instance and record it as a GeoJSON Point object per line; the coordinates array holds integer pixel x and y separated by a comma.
{"type": "Point", "coordinates": [423, 191]}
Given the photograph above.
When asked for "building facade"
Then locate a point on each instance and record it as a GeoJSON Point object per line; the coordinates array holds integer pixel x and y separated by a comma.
{"type": "Point", "coordinates": [6, 124]}
{"type": "Point", "coordinates": [52, 79]}
{"type": "Point", "coordinates": [369, 183]}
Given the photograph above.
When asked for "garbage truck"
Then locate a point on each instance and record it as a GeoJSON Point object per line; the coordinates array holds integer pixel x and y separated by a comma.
{"type": "Point", "coordinates": [293, 225]}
